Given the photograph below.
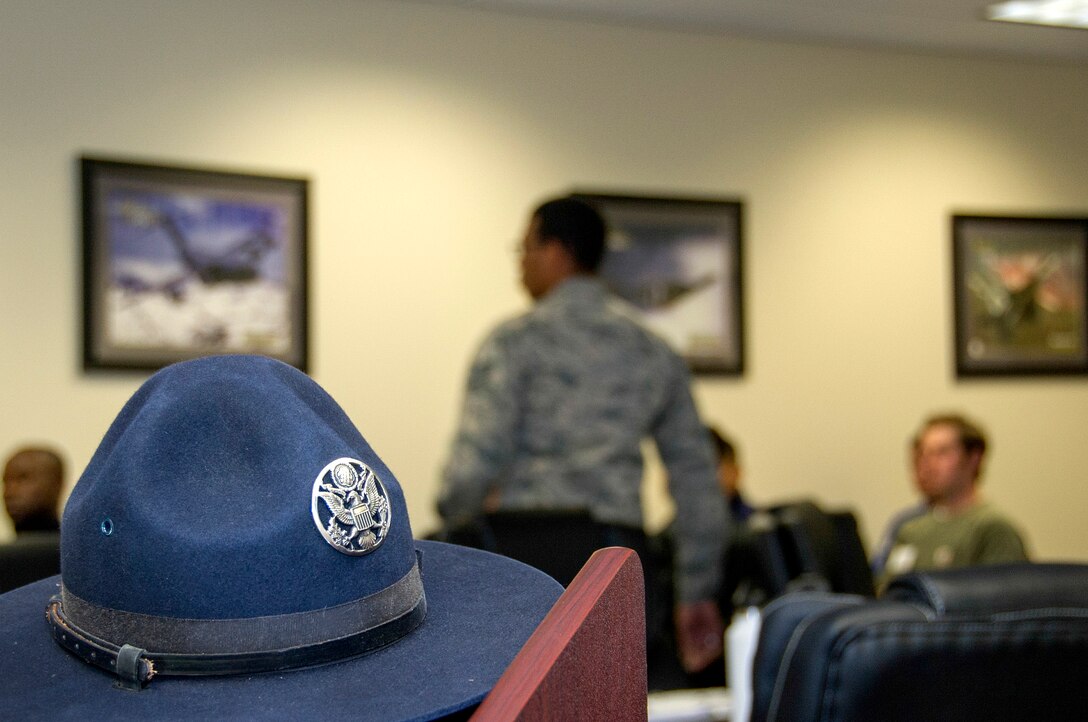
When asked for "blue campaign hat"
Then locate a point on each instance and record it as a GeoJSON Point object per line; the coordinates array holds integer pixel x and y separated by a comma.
{"type": "Point", "coordinates": [236, 549]}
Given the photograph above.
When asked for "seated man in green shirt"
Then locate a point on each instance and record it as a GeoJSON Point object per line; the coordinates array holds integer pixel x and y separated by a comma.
{"type": "Point", "coordinates": [960, 529]}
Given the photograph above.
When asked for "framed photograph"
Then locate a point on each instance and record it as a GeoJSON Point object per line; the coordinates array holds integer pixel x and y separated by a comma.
{"type": "Point", "coordinates": [182, 262]}
{"type": "Point", "coordinates": [1020, 290]}
{"type": "Point", "coordinates": [678, 262]}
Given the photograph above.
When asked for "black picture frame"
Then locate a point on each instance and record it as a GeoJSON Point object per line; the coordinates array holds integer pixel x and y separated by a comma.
{"type": "Point", "coordinates": [182, 262]}
{"type": "Point", "coordinates": [679, 262]}
{"type": "Point", "coordinates": [1020, 292]}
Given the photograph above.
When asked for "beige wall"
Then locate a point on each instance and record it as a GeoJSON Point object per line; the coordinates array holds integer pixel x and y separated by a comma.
{"type": "Point", "coordinates": [429, 132]}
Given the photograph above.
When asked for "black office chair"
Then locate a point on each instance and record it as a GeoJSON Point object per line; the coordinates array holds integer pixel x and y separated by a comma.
{"type": "Point", "coordinates": [828, 543]}
{"type": "Point", "coordinates": [855, 573]}
{"type": "Point", "coordinates": [823, 545]}
{"type": "Point", "coordinates": [757, 567]}
{"type": "Point", "coordinates": [1006, 642]}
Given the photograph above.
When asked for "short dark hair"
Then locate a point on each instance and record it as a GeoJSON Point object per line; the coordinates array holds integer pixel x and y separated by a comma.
{"type": "Point", "coordinates": [972, 437]}
{"type": "Point", "coordinates": [577, 226]}
{"type": "Point", "coordinates": [53, 458]}
{"type": "Point", "coordinates": [723, 446]}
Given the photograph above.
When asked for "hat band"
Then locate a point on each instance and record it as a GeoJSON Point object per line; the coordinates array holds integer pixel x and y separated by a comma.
{"type": "Point", "coordinates": [150, 645]}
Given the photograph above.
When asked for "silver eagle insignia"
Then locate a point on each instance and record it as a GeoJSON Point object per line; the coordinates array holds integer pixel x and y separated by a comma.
{"type": "Point", "coordinates": [350, 507]}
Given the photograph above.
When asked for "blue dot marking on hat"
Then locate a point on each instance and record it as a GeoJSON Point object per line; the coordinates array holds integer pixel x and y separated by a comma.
{"type": "Point", "coordinates": [350, 507]}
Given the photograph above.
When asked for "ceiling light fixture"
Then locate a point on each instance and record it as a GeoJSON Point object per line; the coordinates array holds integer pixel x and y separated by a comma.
{"type": "Point", "coordinates": [1059, 13]}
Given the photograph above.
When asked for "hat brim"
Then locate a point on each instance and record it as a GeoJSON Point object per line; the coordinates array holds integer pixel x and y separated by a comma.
{"type": "Point", "coordinates": [480, 610]}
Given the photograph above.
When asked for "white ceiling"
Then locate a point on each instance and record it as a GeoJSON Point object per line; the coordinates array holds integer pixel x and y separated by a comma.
{"type": "Point", "coordinates": [951, 27]}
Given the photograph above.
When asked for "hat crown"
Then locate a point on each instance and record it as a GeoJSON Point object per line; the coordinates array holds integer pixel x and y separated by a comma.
{"type": "Point", "coordinates": [198, 502]}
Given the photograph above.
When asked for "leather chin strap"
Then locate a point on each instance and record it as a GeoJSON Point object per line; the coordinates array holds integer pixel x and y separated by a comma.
{"type": "Point", "coordinates": [166, 646]}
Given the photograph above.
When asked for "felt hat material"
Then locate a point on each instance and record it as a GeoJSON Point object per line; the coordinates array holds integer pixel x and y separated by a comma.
{"type": "Point", "coordinates": [236, 549]}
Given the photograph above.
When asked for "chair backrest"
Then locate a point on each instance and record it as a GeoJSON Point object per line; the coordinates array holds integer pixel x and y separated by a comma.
{"type": "Point", "coordinates": [825, 545]}
{"type": "Point", "coordinates": [756, 567]}
{"type": "Point", "coordinates": [1003, 642]}
{"type": "Point", "coordinates": [796, 546]}
{"type": "Point", "coordinates": [855, 574]}
{"type": "Point", "coordinates": [587, 659]}
{"type": "Point", "coordinates": [30, 557]}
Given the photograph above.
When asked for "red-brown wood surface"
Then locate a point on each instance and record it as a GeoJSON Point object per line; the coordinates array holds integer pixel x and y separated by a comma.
{"type": "Point", "coordinates": [587, 659]}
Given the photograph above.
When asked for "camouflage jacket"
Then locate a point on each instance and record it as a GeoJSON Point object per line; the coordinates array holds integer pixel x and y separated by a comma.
{"type": "Point", "coordinates": [559, 400]}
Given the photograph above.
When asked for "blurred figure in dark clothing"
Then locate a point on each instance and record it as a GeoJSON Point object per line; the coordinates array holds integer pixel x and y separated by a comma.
{"type": "Point", "coordinates": [729, 475]}
{"type": "Point", "coordinates": [33, 480]}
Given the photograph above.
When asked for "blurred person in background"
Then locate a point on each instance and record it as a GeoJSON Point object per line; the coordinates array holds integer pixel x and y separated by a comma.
{"type": "Point", "coordinates": [558, 402]}
{"type": "Point", "coordinates": [960, 528]}
{"type": "Point", "coordinates": [33, 481]}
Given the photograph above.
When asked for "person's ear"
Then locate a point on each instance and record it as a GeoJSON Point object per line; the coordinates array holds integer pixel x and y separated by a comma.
{"type": "Point", "coordinates": [975, 458]}
{"type": "Point", "coordinates": [558, 256]}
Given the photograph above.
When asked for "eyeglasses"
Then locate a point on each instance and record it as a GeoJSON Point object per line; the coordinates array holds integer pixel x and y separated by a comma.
{"type": "Point", "coordinates": [520, 248]}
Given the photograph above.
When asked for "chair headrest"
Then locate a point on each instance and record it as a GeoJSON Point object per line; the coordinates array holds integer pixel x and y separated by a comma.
{"type": "Point", "coordinates": [994, 589]}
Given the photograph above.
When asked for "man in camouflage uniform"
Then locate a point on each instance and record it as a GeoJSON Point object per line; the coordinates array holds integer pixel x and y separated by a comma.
{"type": "Point", "coordinates": [558, 402]}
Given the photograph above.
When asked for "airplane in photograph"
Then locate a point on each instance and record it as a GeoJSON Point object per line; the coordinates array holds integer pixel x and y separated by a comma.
{"type": "Point", "coordinates": [237, 263]}
{"type": "Point", "coordinates": [657, 294]}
